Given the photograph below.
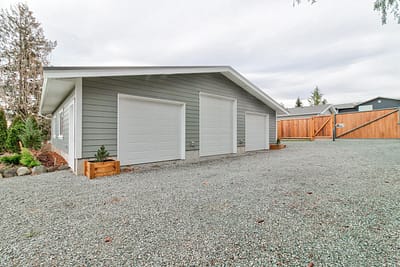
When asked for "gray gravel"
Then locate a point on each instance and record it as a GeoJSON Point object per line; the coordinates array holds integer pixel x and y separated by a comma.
{"type": "Point", "coordinates": [333, 204]}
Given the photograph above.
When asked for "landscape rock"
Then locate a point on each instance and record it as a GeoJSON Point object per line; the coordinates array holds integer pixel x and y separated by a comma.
{"type": "Point", "coordinates": [10, 172]}
{"type": "Point", "coordinates": [1, 175]}
{"type": "Point", "coordinates": [52, 169]}
{"type": "Point", "coordinates": [23, 171]}
{"type": "Point", "coordinates": [39, 170]}
{"type": "Point", "coordinates": [63, 167]}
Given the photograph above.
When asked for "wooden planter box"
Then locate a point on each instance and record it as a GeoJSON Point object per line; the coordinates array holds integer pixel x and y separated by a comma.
{"type": "Point", "coordinates": [95, 169]}
{"type": "Point", "coordinates": [276, 146]}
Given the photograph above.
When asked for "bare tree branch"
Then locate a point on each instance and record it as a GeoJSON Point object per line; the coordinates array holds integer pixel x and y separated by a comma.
{"type": "Point", "coordinates": [385, 7]}
{"type": "Point", "coordinates": [24, 51]}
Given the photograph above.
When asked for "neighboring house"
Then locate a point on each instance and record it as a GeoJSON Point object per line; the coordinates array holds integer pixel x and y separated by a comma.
{"type": "Point", "coordinates": [372, 104]}
{"type": "Point", "coordinates": [150, 114]}
{"type": "Point", "coordinates": [307, 112]}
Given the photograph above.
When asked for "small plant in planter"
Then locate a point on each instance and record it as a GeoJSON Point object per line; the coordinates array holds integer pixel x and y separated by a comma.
{"type": "Point", "coordinates": [276, 146]}
{"type": "Point", "coordinates": [102, 166]}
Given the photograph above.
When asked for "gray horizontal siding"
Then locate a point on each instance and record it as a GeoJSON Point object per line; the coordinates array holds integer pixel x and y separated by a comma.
{"type": "Point", "coordinates": [100, 109]}
{"type": "Point", "coordinates": [58, 142]}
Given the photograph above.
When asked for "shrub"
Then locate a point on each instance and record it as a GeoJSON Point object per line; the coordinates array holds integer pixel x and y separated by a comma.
{"type": "Point", "coordinates": [13, 133]}
{"type": "Point", "coordinates": [31, 137]}
{"type": "Point", "coordinates": [27, 159]}
{"type": "Point", "coordinates": [101, 154]}
{"type": "Point", "coordinates": [11, 160]}
{"type": "Point", "coordinates": [45, 128]}
{"type": "Point", "coordinates": [3, 130]}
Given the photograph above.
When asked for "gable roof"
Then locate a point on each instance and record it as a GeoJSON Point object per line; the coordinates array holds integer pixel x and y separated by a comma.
{"type": "Point", "coordinates": [356, 104]}
{"type": "Point", "coordinates": [375, 98]}
{"type": "Point", "coordinates": [310, 110]}
{"type": "Point", "coordinates": [59, 81]}
{"type": "Point", "coordinates": [347, 105]}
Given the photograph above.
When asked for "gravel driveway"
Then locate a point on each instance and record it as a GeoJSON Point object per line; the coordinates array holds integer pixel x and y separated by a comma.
{"type": "Point", "coordinates": [330, 203]}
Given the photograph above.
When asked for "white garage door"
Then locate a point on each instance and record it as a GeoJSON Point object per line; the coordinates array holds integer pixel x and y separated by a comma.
{"type": "Point", "coordinates": [217, 125]}
{"type": "Point", "coordinates": [150, 130]}
{"type": "Point", "coordinates": [257, 131]}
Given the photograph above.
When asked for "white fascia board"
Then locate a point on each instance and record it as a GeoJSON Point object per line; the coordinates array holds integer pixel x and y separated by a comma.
{"type": "Point", "coordinates": [252, 89]}
{"type": "Point", "coordinates": [126, 71]}
{"type": "Point", "coordinates": [227, 71]}
{"type": "Point", "coordinates": [43, 95]}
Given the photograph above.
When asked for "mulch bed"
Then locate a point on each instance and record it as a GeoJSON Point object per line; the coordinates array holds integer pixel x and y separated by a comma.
{"type": "Point", "coordinates": [51, 159]}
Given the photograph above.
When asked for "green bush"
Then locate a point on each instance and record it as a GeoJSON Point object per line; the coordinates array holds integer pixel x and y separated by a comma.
{"type": "Point", "coordinates": [3, 130]}
{"type": "Point", "coordinates": [13, 133]}
{"type": "Point", "coordinates": [45, 128]}
{"type": "Point", "coordinates": [11, 160]}
{"type": "Point", "coordinates": [27, 159]}
{"type": "Point", "coordinates": [31, 137]}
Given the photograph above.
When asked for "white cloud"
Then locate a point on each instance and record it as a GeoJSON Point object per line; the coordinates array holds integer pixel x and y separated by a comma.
{"type": "Point", "coordinates": [338, 45]}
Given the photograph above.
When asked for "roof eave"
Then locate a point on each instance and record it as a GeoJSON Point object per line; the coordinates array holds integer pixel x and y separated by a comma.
{"type": "Point", "coordinates": [229, 72]}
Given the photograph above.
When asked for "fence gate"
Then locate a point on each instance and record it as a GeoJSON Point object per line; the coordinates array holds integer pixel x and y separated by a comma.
{"type": "Point", "coordinates": [369, 124]}
{"type": "Point", "coordinates": [382, 124]}
{"type": "Point", "coordinates": [308, 128]}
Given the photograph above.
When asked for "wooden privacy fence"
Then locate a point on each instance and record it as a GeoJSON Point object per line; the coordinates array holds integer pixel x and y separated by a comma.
{"type": "Point", "coordinates": [308, 128]}
{"type": "Point", "coordinates": [367, 124]}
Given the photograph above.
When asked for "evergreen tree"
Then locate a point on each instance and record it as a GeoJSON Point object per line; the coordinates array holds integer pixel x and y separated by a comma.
{"type": "Point", "coordinates": [102, 154]}
{"type": "Point", "coordinates": [299, 104]}
{"type": "Point", "coordinates": [3, 130]}
{"type": "Point", "coordinates": [31, 136]}
{"type": "Point", "coordinates": [316, 98]}
{"type": "Point", "coordinates": [23, 53]}
{"type": "Point", "coordinates": [13, 135]}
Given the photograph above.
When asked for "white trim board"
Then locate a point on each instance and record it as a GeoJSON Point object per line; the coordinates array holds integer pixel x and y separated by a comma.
{"type": "Point", "coordinates": [64, 73]}
{"type": "Point", "coordinates": [78, 118]}
{"type": "Point", "coordinates": [71, 134]}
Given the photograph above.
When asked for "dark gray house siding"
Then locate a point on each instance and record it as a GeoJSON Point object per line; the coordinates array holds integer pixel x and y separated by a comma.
{"type": "Point", "coordinates": [377, 103]}
{"type": "Point", "coordinates": [99, 111]}
{"type": "Point", "coordinates": [381, 103]}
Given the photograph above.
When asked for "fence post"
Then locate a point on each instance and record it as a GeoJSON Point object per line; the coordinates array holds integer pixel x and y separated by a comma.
{"type": "Point", "coordinates": [311, 129]}
{"type": "Point", "coordinates": [334, 128]}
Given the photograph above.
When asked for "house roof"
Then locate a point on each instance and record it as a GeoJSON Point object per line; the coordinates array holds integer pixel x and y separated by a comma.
{"type": "Point", "coordinates": [310, 110]}
{"type": "Point", "coordinates": [355, 104]}
{"type": "Point", "coordinates": [59, 81]}
{"type": "Point", "coordinates": [346, 105]}
{"type": "Point", "coordinates": [379, 97]}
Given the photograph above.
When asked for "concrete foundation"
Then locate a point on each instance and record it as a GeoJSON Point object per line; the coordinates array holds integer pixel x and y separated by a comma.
{"type": "Point", "coordinates": [191, 157]}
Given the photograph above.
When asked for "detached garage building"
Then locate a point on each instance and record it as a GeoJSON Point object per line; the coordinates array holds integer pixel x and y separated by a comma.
{"type": "Point", "coordinates": [150, 114]}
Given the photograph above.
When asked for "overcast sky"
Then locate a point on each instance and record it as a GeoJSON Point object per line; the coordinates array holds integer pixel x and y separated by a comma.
{"type": "Point", "coordinates": [339, 45]}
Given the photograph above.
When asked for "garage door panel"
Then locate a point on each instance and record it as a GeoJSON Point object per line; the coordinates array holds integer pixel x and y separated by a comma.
{"type": "Point", "coordinates": [150, 130]}
{"type": "Point", "coordinates": [217, 128]}
{"type": "Point", "coordinates": [257, 131]}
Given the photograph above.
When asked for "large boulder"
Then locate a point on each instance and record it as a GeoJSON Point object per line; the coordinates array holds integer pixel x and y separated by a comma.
{"type": "Point", "coordinates": [23, 171]}
{"type": "Point", "coordinates": [10, 172]}
{"type": "Point", "coordinates": [39, 170]}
